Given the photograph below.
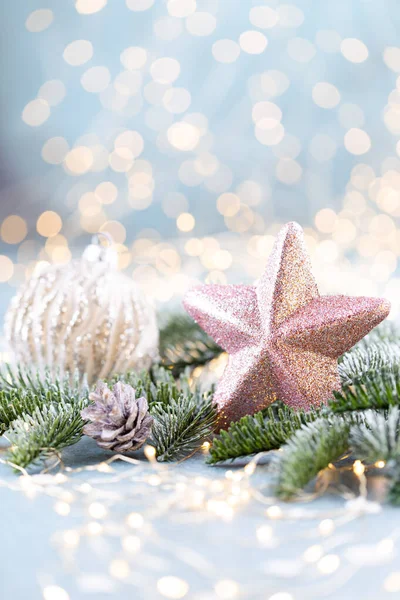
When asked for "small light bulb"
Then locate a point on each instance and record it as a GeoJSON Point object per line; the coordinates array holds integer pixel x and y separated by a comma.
{"type": "Point", "coordinates": [206, 447]}
{"type": "Point", "coordinates": [380, 464]}
{"type": "Point", "coordinates": [326, 527]}
{"type": "Point", "coordinates": [62, 508]}
{"type": "Point", "coordinates": [119, 569]}
{"type": "Point", "coordinates": [250, 468]}
{"type": "Point", "coordinates": [150, 453]}
{"type": "Point", "coordinates": [358, 468]}
{"type": "Point", "coordinates": [274, 512]}
{"type": "Point", "coordinates": [94, 528]}
{"type": "Point", "coordinates": [135, 520]}
{"type": "Point", "coordinates": [97, 510]}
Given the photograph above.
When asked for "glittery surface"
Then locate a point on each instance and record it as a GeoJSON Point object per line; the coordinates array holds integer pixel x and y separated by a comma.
{"type": "Point", "coordinates": [84, 316]}
{"type": "Point", "coordinates": [282, 337]}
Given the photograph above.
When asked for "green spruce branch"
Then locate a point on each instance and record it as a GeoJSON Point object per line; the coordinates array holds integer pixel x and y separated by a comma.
{"type": "Point", "coordinates": [368, 361]}
{"type": "Point", "coordinates": [183, 417]}
{"type": "Point", "coordinates": [45, 432]}
{"type": "Point", "coordinates": [377, 437]}
{"type": "Point", "coordinates": [184, 344]}
{"type": "Point", "coordinates": [266, 430]}
{"type": "Point", "coordinates": [181, 426]}
{"type": "Point", "coordinates": [310, 449]}
{"type": "Point", "coordinates": [371, 379]}
{"type": "Point", "coordinates": [42, 384]}
{"type": "Point", "coordinates": [40, 413]}
{"type": "Point", "coordinates": [14, 404]}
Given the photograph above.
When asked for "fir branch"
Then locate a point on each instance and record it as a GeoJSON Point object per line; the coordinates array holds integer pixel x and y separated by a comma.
{"type": "Point", "coordinates": [377, 437]}
{"type": "Point", "coordinates": [22, 391]}
{"type": "Point", "coordinates": [181, 424]}
{"type": "Point", "coordinates": [311, 449]}
{"type": "Point", "coordinates": [183, 343]}
{"type": "Point", "coordinates": [50, 428]}
{"type": "Point", "coordinates": [266, 430]}
{"type": "Point", "coordinates": [368, 361]}
{"type": "Point", "coordinates": [40, 411]}
{"type": "Point", "coordinates": [14, 404]}
{"type": "Point", "coordinates": [162, 375]}
{"type": "Point", "coordinates": [44, 385]}
{"type": "Point", "coordinates": [372, 389]}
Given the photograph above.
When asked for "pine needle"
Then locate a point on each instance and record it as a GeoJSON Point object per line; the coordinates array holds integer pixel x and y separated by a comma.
{"type": "Point", "coordinates": [34, 437]}
{"type": "Point", "coordinates": [62, 386]}
{"type": "Point", "coordinates": [40, 413]}
{"type": "Point", "coordinates": [182, 421]}
{"type": "Point", "coordinates": [310, 449]}
{"type": "Point", "coordinates": [371, 379]}
{"type": "Point", "coordinates": [377, 437]}
{"type": "Point", "coordinates": [368, 362]}
{"type": "Point", "coordinates": [183, 344]}
{"type": "Point", "coordinates": [14, 404]}
{"type": "Point", "coordinates": [266, 430]}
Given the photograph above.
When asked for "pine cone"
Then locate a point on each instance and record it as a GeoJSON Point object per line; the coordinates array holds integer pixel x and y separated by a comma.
{"type": "Point", "coordinates": [119, 421]}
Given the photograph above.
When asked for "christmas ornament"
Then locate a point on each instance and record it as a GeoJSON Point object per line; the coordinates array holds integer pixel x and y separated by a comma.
{"type": "Point", "coordinates": [283, 338]}
{"type": "Point", "coordinates": [84, 316]}
{"type": "Point", "coordinates": [119, 421]}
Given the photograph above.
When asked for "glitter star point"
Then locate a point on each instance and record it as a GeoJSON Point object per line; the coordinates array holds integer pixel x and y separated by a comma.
{"type": "Point", "coordinates": [282, 337]}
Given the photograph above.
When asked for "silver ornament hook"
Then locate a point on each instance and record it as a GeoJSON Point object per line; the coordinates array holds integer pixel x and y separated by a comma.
{"type": "Point", "coordinates": [96, 252]}
{"type": "Point", "coordinates": [104, 234]}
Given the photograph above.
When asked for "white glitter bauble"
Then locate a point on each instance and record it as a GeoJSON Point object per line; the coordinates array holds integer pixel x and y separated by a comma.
{"type": "Point", "coordinates": [84, 316]}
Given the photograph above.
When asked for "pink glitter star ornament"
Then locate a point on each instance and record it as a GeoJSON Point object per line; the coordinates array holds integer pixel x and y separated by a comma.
{"type": "Point", "coordinates": [282, 337]}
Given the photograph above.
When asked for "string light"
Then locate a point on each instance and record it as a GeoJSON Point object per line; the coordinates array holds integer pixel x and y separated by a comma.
{"type": "Point", "coordinates": [54, 592]}
{"type": "Point", "coordinates": [150, 453]}
{"type": "Point", "coordinates": [326, 527]}
{"type": "Point", "coordinates": [62, 508]}
{"type": "Point", "coordinates": [226, 589]}
{"type": "Point", "coordinates": [189, 496]}
{"type": "Point", "coordinates": [97, 510]}
{"type": "Point", "coordinates": [94, 528]}
{"type": "Point", "coordinates": [172, 587]}
{"type": "Point", "coordinates": [274, 512]}
{"type": "Point", "coordinates": [358, 468]}
{"type": "Point", "coordinates": [313, 553]}
{"type": "Point", "coordinates": [135, 520]}
{"type": "Point", "coordinates": [328, 564]}
{"type": "Point", "coordinates": [119, 569]}
{"type": "Point", "coordinates": [380, 464]}
{"type": "Point", "coordinates": [131, 544]}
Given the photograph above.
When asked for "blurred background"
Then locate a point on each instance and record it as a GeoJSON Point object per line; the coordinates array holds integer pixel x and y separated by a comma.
{"type": "Point", "coordinates": [190, 130]}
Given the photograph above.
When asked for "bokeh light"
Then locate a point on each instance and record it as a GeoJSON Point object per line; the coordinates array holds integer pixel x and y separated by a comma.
{"type": "Point", "coordinates": [78, 52]}
{"type": "Point", "coordinates": [193, 166]}
{"type": "Point", "coordinates": [39, 20]}
{"type": "Point", "coordinates": [13, 229]}
{"type": "Point", "coordinates": [49, 224]}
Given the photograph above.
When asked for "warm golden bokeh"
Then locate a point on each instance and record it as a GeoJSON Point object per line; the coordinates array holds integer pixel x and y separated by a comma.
{"type": "Point", "coordinates": [49, 224]}
{"type": "Point", "coordinates": [13, 229]}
